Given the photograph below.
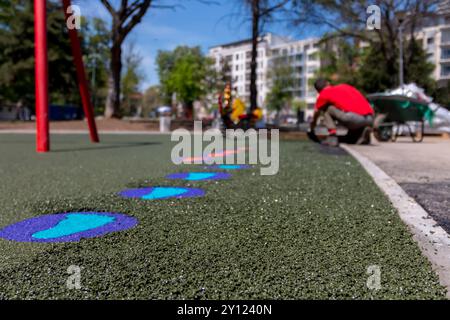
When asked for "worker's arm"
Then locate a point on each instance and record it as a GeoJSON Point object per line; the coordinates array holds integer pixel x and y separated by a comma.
{"type": "Point", "coordinates": [321, 104]}
{"type": "Point", "coordinates": [314, 120]}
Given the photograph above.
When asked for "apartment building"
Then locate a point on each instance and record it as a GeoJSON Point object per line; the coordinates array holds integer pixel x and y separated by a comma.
{"type": "Point", "coordinates": [435, 35]}
{"type": "Point", "coordinates": [302, 56]}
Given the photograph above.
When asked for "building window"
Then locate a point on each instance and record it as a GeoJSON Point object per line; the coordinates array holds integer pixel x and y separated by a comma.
{"type": "Point", "coordinates": [430, 41]}
{"type": "Point", "coordinates": [445, 71]}
{"type": "Point", "coordinates": [237, 67]}
{"type": "Point", "coordinates": [445, 37]}
{"type": "Point", "coordinates": [445, 54]}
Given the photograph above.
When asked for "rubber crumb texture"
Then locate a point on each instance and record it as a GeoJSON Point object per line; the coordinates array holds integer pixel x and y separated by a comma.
{"type": "Point", "coordinates": [310, 232]}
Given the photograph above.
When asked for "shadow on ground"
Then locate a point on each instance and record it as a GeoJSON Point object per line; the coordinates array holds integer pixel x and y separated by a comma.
{"type": "Point", "coordinates": [96, 147]}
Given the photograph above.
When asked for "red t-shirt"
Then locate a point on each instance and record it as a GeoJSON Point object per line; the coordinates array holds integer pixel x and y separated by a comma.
{"type": "Point", "coordinates": [345, 98]}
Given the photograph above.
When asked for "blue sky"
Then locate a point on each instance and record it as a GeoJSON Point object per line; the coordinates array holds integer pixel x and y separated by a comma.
{"type": "Point", "coordinates": [192, 24]}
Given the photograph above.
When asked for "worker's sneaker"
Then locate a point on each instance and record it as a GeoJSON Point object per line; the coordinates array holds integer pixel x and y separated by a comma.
{"type": "Point", "coordinates": [364, 139]}
{"type": "Point", "coordinates": [331, 141]}
{"type": "Point", "coordinates": [312, 136]}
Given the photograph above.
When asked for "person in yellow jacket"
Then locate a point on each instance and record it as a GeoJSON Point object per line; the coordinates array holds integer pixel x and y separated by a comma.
{"type": "Point", "coordinates": [234, 111]}
{"type": "Point", "coordinates": [238, 110]}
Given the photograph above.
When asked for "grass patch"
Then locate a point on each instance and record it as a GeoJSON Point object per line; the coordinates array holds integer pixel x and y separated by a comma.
{"type": "Point", "coordinates": [309, 232]}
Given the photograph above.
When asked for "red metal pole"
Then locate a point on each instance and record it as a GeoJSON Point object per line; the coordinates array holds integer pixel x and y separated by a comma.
{"type": "Point", "coordinates": [41, 74]}
{"type": "Point", "coordinates": [81, 76]}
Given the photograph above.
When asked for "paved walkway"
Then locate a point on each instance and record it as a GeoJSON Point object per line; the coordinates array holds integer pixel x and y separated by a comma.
{"type": "Point", "coordinates": [422, 170]}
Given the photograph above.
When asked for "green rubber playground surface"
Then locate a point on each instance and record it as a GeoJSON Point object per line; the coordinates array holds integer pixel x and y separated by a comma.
{"type": "Point", "coordinates": [310, 232]}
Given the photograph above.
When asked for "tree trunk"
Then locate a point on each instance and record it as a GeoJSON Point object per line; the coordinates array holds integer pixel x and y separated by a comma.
{"type": "Point", "coordinates": [253, 64]}
{"type": "Point", "coordinates": [112, 109]}
{"type": "Point", "coordinates": [189, 110]}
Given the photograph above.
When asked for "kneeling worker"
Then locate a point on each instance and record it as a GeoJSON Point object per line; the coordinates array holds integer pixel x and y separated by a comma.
{"type": "Point", "coordinates": [347, 106]}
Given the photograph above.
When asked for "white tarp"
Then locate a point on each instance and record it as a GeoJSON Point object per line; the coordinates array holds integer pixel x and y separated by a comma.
{"type": "Point", "coordinates": [441, 120]}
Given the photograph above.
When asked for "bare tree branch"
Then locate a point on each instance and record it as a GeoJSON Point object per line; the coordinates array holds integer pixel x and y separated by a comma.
{"type": "Point", "coordinates": [140, 10]}
{"type": "Point", "coordinates": [109, 7]}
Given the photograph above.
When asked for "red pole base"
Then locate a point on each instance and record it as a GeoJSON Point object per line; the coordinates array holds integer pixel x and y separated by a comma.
{"type": "Point", "coordinates": [41, 74]}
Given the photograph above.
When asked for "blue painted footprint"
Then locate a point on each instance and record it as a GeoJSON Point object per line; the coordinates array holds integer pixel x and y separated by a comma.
{"type": "Point", "coordinates": [229, 167]}
{"type": "Point", "coordinates": [157, 193]}
{"type": "Point", "coordinates": [67, 227]}
{"type": "Point", "coordinates": [74, 223]}
{"type": "Point", "coordinates": [199, 176]}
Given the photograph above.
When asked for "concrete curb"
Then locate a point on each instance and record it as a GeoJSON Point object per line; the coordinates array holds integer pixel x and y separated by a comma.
{"type": "Point", "coordinates": [433, 241]}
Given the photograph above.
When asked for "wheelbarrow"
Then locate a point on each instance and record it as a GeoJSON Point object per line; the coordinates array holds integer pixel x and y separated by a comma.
{"type": "Point", "coordinates": [392, 112]}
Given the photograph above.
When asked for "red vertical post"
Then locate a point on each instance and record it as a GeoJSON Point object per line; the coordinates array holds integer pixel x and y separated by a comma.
{"type": "Point", "coordinates": [81, 77]}
{"type": "Point", "coordinates": [41, 76]}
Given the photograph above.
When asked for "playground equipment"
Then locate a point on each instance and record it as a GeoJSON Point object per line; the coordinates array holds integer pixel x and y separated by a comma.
{"type": "Point", "coordinates": [41, 72]}
{"type": "Point", "coordinates": [233, 112]}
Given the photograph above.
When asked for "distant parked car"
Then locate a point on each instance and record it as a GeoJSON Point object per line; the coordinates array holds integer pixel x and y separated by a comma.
{"type": "Point", "coordinates": [164, 110]}
{"type": "Point", "coordinates": [291, 120]}
{"type": "Point", "coordinates": [65, 112]}
{"type": "Point", "coordinates": [8, 113]}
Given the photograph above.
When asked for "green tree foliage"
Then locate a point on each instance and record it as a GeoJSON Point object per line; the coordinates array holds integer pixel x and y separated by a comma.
{"type": "Point", "coordinates": [132, 78]}
{"type": "Point", "coordinates": [152, 99]}
{"type": "Point", "coordinates": [376, 67]}
{"type": "Point", "coordinates": [97, 40]}
{"type": "Point", "coordinates": [442, 95]}
{"type": "Point", "coordinates": [282, 80]}
{"type": "Point", "coordinates": [339, 59]}
{"type": "Point", "coordinates": [186, 72]}
{"type": "Point", "coordinates": [345, 62]}
{"type": "Point", "coordinates": [299, 105]}
{"type": "Point", "coordinates": [17, 54]}
{"type": "Point", "coordinates": [418, 69]}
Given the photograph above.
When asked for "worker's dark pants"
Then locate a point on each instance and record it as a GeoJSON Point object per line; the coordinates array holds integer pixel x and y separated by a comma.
{"type": "Point", "coordinates": [350, 120]}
